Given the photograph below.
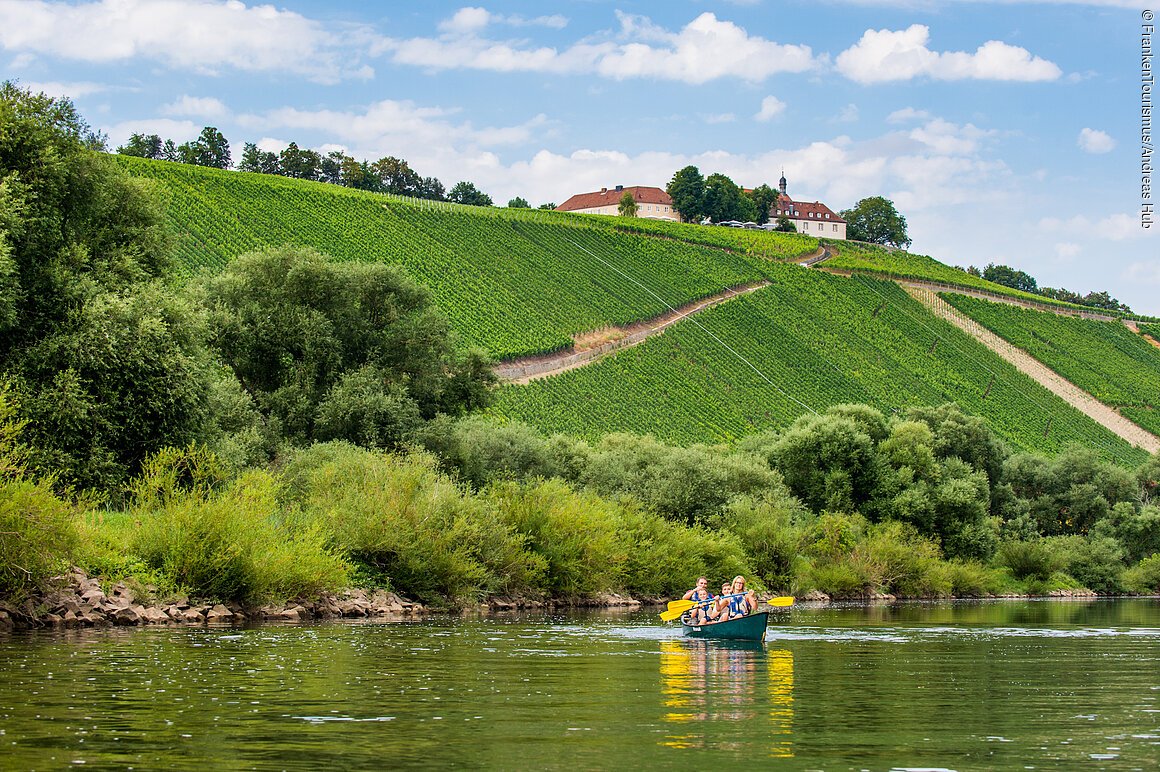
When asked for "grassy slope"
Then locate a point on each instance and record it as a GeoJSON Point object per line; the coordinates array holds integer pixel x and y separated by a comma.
{"type": "Point", "coordinates": [1105, 359]}
{"type": "Point", "coordinates": [818, 338]}
{"type": "Point", "coordinates": [520, 281]}
{"type": "Point", "coordinates": [864, 257]}
{"type": "Point", "coordinates": [515, 282]}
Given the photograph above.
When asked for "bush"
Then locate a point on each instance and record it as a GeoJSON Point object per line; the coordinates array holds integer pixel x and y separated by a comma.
{"type": "Point", "coordinates": [973, 580]}
{"type": "Point", "coordinates": [1144, 577]}
{"type": "Point", "coordinates": [1029, 559]}
{"type": "Point", "coordinates": [896, 559]}
{"type": "Point", "coordinates": [1096, 562]}
{"type": "Point", "coordinates": [411, 523]}
{"type": "Point", "coordinates": [37, 535]}
{"type": "Point", "coordinates": [765, 526]}
{"type": "Point", "coordinates": [227, 542]}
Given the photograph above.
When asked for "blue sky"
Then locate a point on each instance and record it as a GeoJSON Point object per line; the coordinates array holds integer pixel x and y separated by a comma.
{"type": "Point", "coordinates": [1006, 132]}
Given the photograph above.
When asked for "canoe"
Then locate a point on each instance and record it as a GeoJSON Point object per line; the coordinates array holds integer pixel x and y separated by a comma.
{"type": "Point", "coordinates": [747, 628]}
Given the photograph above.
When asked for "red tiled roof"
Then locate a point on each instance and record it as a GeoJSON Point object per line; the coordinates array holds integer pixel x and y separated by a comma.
{"type": "Point", "coordinates": [612, 196]}
{"type": "Point", "coordinates": [803, 210]}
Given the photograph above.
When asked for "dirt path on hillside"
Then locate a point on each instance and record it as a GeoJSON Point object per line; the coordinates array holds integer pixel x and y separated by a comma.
{"type": "Point", "coordinates": [1033, 368]}
{"type": "Point", "coordinates": [590, 346]}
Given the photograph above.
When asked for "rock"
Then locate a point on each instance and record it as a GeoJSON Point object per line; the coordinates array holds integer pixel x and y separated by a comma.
{"type": "Point", "coordinates": [129, 615]}
{"type": "Point", "coordinates": [155, 616]}
{"type": "Point", "coordinates": [294, 614]}
{"type": "Point", "coordinates": [56, 620]}
{"type": "Point", "coordinates": [192, 615]}
{"type": "Point", "coordinates": [93, 596]}
{"type": "Point", "coordinates": [6, 620]}
{"type": "Point", "coordinates": [219, 613]}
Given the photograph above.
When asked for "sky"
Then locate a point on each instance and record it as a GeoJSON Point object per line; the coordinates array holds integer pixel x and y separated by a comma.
{"type": "Point", "coordinates": [1005, 132]}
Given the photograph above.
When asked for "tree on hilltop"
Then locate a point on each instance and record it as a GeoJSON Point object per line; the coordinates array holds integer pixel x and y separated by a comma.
{"type": "Point", "coordinates": [687, 190]}
{"type": "Point", "coordinates": [519, 202]}
{"type": "Point", "coordinates": [875, 220]}
{"type": "Point", "coordinates": [1009, 277]}
{"type": "Point", "coordinates": [466, 193]}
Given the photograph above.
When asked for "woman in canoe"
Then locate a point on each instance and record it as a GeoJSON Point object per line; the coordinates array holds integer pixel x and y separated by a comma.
{"type": "Point", "coordinates": [740, 603]}
{"type": "Point", "coordinates": [700, 593]}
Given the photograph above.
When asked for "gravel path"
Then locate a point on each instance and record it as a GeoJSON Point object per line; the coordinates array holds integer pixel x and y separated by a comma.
{"type": "Point", "coordinates": [1033, 368]}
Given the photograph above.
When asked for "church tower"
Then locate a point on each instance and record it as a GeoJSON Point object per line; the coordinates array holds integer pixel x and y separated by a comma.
{"type": "Point", "coordinates": [781, 182]}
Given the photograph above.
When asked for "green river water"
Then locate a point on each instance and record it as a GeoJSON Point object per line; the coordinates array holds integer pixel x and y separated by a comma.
{"type": "Point", "coordinates": [993, 685]}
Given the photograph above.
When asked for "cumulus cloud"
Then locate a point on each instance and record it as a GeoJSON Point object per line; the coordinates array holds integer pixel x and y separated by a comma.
{"type": "Point", "coordinates": [1116, 226]}
{"type": "Point", "coordinates": [719, 118]}
{"type": "Point", "coordinates": [771, 107]}
{"type": "Point", "coordinates": [166, 128]}
{"type": "Point", "coordinates": [55, 88]}
{"type": "Point", "coordinates": [886, 55]}
{"type": "Point", "coordinates": [848, 114]}
{"type": "Point", "coordinates": [705, 49]}
{"type": "Point", "coordinates": [196, 107]}
{"type": "Point", "coordinates": [469, 20]}
{"type": "Point", "coordinates": [907, 114]}
{"type": "Point", "coordinates": [1095, 141]}
{"type": "Point", "coordinates": [1066, 250]}
{"type": "Point", "coordinates": [946, 138]}
{"type": "Point", "coordinates": [204, 36]}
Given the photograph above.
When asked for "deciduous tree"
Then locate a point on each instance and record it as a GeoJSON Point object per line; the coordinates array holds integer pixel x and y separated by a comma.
{"type": "Point", "coordinates": [875, 220]}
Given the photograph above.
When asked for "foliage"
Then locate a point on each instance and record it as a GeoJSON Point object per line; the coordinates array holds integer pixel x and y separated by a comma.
{"type": "Point", "coordinates": [1144, 577]}
{"type": "Point", "coordinates": [876, 221]}
{"type": "Point", "coordinates": [687, 190]}
{"type": "Point", "coordinates": [747, 241]}
{"type": "Point", "coordinates": [230, 541]}
{"type": "Point", "coordinates": [723, 200]}
{"type": "Point", "coordinates": [37, 534]}
{"type": "Point", "coordinates": [466, 193]}
{"type": "Point", "coordinates": [763, 197]}
{"type": "Point", "coordinates": [1070, 493]}
{"type": "Point", "coordinates": [519, 202]}
{"type": "Point", "coordinates": [1009, 277]}
{"type": "Point", "coordinates": [627, 206]}
{"type": "Point", "coordinates": [338, 351]}
{"type": "Point", "coordinates": [1105, 359]}
{"type": "Point", "coordinates": [109, 366]}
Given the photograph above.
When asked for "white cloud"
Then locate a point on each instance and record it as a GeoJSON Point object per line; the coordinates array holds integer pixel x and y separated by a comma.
{"type": "Point", "coordinates": [1114, 227]}
{"type": "Point", "coordinates": [848, 114]}
{"type": "Point", "coordinates": [196, 107]}
{"type": "Point", "coordinates": [885, 55]}
{"type": "Point", "coordinates": [1066, 250]}
{"type": "Point", "coordinates": [705, 49]}
{"type": "Point", "coordinates": [54, 88]}
{"type": "Point", "coordinates": [719, 118]}
{"type": "Point", "coordinates": [946, 138]}
{"type": "Point", "coordinates": [470, 20]}
{"type": "Point", "coordinates": [771, 107]}
{"type": "Point", "coordinates": [907, 114]}
{"type": "Point", "coordinates": [204, 36]}
{"type": "Point", "coordinates": [1095, 141]}
{"type": "Point", "coordinates": [166, 128]}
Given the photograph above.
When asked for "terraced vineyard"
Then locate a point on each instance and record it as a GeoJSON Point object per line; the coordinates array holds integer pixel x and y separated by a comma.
{"type": "Point", "coordinates": [1105, 359]}
{"type": "Point", "coordinates": [515, 282]}
{"type": "Point", "coordinates": [854, 256]}
{"type": "Point", "coordinates": [813, 340]}
{"type": "Point", "coordinates": [760, 243]}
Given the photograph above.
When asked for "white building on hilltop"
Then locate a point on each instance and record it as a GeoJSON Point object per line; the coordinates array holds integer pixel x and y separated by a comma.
{"type": "Point", "coordinates": [813, 219]}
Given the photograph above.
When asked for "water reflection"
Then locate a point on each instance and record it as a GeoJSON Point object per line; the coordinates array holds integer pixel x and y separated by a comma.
{"type": "Point", "coordinates": [706, 683]}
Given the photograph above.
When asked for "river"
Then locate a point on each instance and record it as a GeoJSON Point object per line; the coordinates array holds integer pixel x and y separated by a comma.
{"type": "Point", "coordinates": [1029, 684]}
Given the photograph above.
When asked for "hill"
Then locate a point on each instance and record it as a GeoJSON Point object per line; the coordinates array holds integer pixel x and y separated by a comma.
{"type": "Point", "coordinates": [512, 281]}
{"type": "Point", "coordinates": [1105, 359]}
{"type": "Point", "coordinates": [807, 341]}
{"type": "Point", "coordinates": [523, 282]}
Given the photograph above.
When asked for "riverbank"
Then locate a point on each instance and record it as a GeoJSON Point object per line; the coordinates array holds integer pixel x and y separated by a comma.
{"type": "Point", "coordinates": [80, 601]}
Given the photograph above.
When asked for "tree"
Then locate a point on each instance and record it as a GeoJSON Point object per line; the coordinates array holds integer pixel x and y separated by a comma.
{"type": "Point", "coordinates": [723, 200]}
{"type": "Point", "coordinates": [785, 225]}
{"type": "Point", "coordinates": [397, 176]}
{"type": "Point", "coordinates": [352, 351]}
{"type": "Point", "coordinates": [763, 197]}
{"type": "Point", "coordinates": [1009, 277]}
{"type": "Point", "coordinates": [627, 206]}
{"type": "Point", "coordinates": [550, 206]}
{"type": "Point", "coordinates": [106, 364]}
{"type": "Point", "coordinates": [687, 190]}
{"type": "Point", "coordinates": [299, 164]}
{"type": "Point", "coordinates": [876, 221]}
{"type": "Point", "coordinates": [142, 146]}
{"type": "Point", "coordinates": [519, 203]}
{"type": "Point", "coordinates": [209, 149]}
{"type": "Point", "coordinates": [466, 193]}
{"type": "Point", "coordinates": [431, 189]}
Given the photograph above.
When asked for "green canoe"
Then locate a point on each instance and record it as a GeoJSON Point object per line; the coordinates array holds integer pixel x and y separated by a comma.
{"type": "Point", "coordinates": [747, 628]}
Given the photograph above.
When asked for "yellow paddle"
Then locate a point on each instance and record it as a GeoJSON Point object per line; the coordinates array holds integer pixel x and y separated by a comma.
{"type": "Point", "coordinates": [678, 607]}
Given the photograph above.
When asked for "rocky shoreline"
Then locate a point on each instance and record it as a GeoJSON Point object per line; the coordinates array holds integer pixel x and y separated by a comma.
{"type": "Point", "coordinates": [80, 601]}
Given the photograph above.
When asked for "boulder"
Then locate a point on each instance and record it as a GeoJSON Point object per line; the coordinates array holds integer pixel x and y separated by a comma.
{"type": "Point", "coordinates": [155, 616]}
{"type": "Point", "coordinates": [219, 613]}
{"type": "Point", "coordinates": [129, 615]}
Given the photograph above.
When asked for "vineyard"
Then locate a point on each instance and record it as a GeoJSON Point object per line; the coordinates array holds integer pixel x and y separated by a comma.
{"type": "Point", "coordinates": [759, 243]}
{"type": "Point", "coordinates": [1105, 359]}
{"type": "Point", "coordinates": [808, 341]}
{"type": "Point", "coordinates": [867, 258]}
{"type": "Point", "coordinates": [512, 281]}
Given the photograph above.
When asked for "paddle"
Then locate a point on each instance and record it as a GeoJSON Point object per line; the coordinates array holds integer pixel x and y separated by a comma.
{"type": "Point", "coordinates": [678, 607]}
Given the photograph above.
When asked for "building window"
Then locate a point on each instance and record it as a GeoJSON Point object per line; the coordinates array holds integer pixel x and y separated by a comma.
{"type": "Point", "coordinates": [835, 227]}
{"type": "Point", "coordinates": [827, 215]}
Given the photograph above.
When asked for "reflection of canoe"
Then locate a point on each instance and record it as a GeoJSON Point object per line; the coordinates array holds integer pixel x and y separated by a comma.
{"type": "Point", "coordinates": [747, 628]}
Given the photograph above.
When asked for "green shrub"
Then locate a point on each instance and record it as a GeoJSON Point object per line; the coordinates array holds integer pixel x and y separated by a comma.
{"type": "Point", "coordinates": [895, 558]}
{"type": "Point", "coordinates": [765, 526]}
{"type": "Point", "coordinates": [578, 535]}
{"type": "Point", "coordinates": [412, 523]}
{"type": "Point", "coordinates": [1096, 562]}
{"type": "Point", "coordinates": [1029, 559]}
{"type": "Point", "coordinates": [227, 542]}
{"type": "Point", "coordinates": [1144, 577]}
{"type": "Point", "coordinates": [973, 580]}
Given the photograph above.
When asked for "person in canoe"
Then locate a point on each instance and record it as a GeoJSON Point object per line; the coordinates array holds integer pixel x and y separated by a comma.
{"type": "Point", "coordinates": [700, 593]}
{"type": "Point", "coordinates": [740, 602]}
{"type": "Point", "coordinates": [721, 605]}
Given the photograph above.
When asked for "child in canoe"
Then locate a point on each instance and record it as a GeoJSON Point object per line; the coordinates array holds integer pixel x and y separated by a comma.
{"type": "Point", "coordinates": [740, 603]}
{"type": "Point", "coordinates": [700, 593]}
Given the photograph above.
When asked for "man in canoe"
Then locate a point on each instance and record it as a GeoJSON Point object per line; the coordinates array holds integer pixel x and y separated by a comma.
{"type": "Point", "coordinates": [700, 593]}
